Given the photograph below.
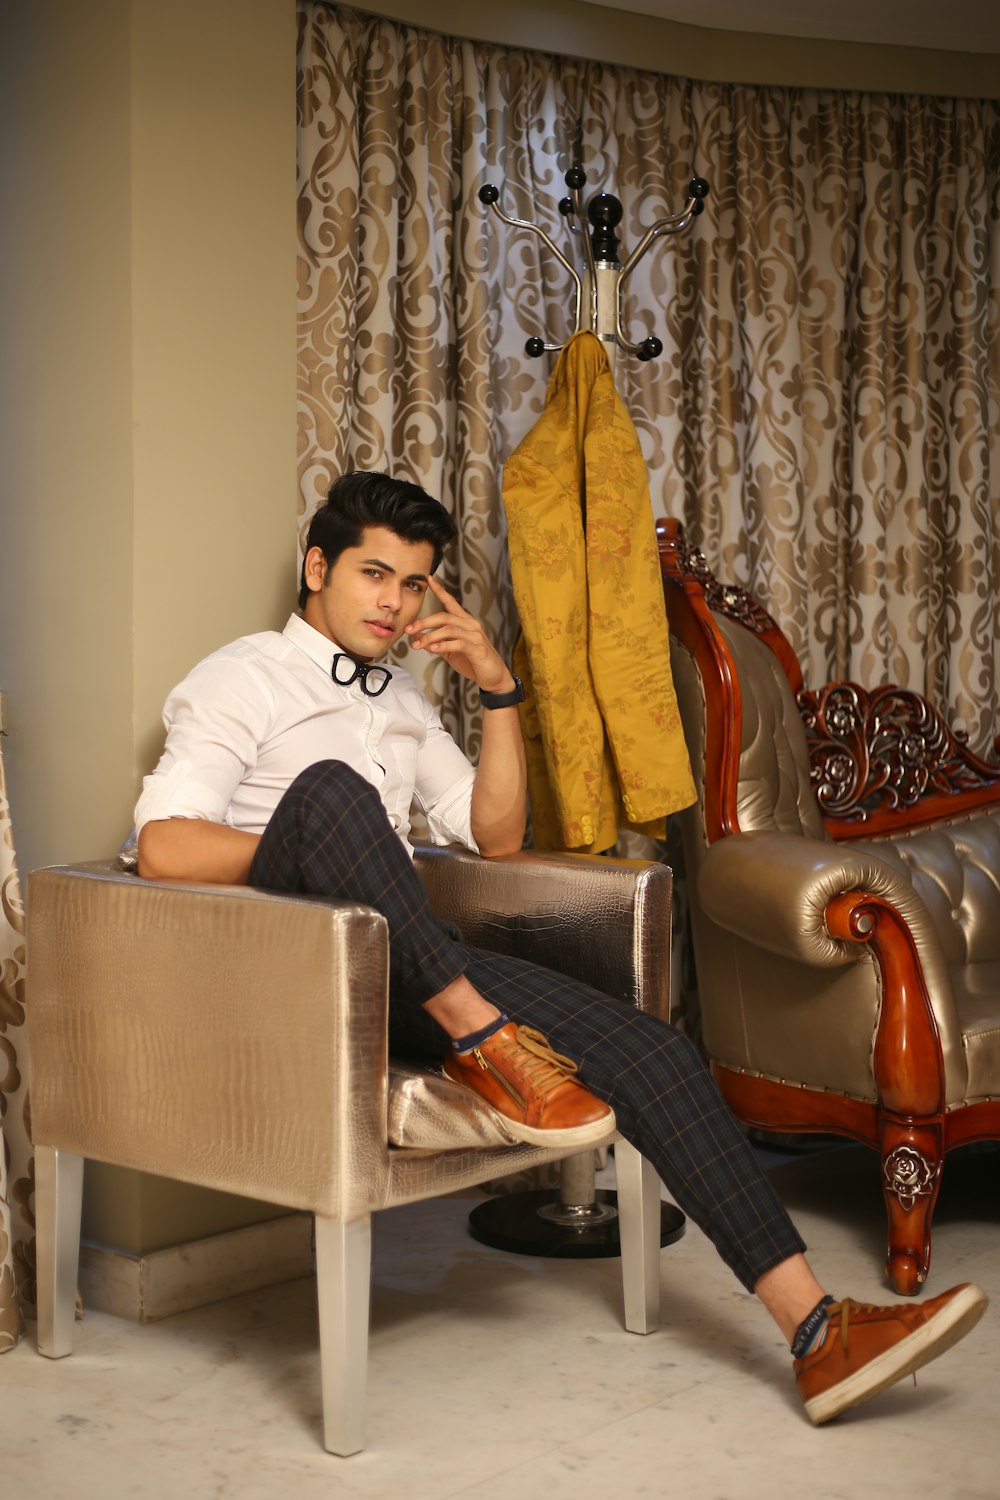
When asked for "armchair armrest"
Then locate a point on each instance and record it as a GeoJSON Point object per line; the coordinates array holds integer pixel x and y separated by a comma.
{"type": "Point", "coordinates": [603, 921]}
{"type": "Point", "coordinates": [773, 890]}
{"type": "Point", "coordinates": [209, 1033]}
{"type": "Point", "coordinates": [816, 903]}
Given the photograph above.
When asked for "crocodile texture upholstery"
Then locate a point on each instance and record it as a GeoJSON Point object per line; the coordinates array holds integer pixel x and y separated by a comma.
{"type": "Point", "coordinates": [237, 1039]}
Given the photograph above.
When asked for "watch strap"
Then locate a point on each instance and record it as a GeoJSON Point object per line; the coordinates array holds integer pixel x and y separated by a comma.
{"type": "Point", "coordinates": [503, 700]}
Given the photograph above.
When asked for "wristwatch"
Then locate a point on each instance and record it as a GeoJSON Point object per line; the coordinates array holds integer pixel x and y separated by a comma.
{"type": "Point", "coordinates": [503, 700]}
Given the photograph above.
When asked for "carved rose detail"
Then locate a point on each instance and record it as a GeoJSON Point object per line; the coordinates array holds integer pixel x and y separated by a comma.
{"type": "Point", "coordinates": [908, 1174]}
{"type": "Point", "coordinates": [725, 598]}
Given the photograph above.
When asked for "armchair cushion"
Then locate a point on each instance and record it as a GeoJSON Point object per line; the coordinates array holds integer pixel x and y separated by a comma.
{"type": "Point", "coordinates": [426, 1111]}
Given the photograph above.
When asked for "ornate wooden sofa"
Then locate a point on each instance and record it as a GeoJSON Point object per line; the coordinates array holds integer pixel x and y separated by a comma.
{"type": "Point", "coordinates": [844, 873]}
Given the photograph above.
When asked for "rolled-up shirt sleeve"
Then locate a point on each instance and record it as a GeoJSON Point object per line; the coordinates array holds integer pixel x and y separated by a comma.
{"type": "Point", "coordinates": [443, 789]}
{"type": "Point", "coordinates": [215, 720]}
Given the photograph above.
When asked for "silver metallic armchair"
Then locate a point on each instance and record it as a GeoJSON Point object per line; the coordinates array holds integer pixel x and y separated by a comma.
{"type": "Point", "coordinates": [237, 1039]}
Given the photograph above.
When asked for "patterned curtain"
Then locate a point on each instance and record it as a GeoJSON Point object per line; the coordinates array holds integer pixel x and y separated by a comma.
{"type": "Point", "coordinates": [825, 416]}
{"type": "Point", "coordinates": [17, 1243]}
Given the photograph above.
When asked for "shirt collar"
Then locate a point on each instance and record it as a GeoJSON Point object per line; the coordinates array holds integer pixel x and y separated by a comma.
{"type": "Point", "coordinates": [319, 648]}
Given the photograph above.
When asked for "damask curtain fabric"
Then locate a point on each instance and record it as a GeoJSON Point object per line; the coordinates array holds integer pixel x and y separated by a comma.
{"type": "Point", "coordinates": [17, 1241]}
{"type": "Point", "coordinates": [825, 416]}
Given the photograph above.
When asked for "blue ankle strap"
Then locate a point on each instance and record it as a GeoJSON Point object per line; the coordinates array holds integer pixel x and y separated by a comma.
{"type": "Point", "coordinates": [474, 1038]}
{"type": "Point", "coordinates": [809, 1327]}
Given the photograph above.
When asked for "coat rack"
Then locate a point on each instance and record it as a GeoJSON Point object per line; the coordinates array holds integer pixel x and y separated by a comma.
{"type": "Point", "coordinates": [598, 289]}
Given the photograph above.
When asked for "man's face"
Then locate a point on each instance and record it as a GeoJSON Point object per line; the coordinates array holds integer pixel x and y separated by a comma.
{"type": "Point", "coordinates": [372, 592]}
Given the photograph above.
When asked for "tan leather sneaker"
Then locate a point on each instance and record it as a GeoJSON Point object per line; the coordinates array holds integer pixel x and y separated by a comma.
{"type": "Point", "coordinates": [519, 1075]}
{"type": "Point", "coordinates": [869, 1348]}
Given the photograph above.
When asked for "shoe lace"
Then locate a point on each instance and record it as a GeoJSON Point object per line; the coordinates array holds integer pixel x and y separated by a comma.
{"type": "Point", "coordinates": [842, 1310]}
{"type": "Point", "coordinates": [544, 1067]}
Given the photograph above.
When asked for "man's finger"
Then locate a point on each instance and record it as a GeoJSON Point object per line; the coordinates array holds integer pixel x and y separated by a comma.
{"type": "Point", "coordinates": [440, 592]}
{"type": "Point", "coordinates": [429, 623]}
{"type": "Point", "coordinates": [460, 620]}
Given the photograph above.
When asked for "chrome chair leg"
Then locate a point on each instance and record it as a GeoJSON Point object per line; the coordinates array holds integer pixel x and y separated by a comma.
{"type": "Point", "coordinates": [343, 1275]}
{"type": "Point", "coordinates": [639, 1229]}
{"type": "Point", "coordinates": [58, 1204]}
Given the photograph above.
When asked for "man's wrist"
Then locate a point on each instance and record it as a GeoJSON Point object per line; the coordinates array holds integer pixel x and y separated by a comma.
{"type": "Point", "coordinates": [503, 682]}
{"type": "Point", "coordinates": [506, 697]}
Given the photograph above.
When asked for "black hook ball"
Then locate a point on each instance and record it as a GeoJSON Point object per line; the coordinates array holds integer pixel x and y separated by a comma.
{"type": "Point", "coordinates": [604, 211]}
{"type": "Point", "coordinates": [650, 348]}
{"type": "Point", "coordinates": [576, 176]}
{"type": "Point", "coordinates": [698, 207]}
{"type": "Point", "coordinates": [489, 194]}
{"type": "Point", "coordinates": [698, 187]}
{"type": "Point", "coordinates": [565, 207]}
{"type": "Point", "coordinates": [534, 347]}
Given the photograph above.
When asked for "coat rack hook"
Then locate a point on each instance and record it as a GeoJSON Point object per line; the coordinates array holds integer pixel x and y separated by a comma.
{"type": "Point", "coordinates": [598, 288]}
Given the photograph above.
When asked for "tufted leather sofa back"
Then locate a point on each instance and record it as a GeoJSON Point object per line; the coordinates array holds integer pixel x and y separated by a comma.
{"type": "Point", "coordinates": [775, 793]}
{"type": "Point", "coordinates": [955, 869]}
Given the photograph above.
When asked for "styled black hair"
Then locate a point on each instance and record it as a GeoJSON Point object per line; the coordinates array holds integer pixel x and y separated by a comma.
{"type": "Point", "coordinates": [365, 498]}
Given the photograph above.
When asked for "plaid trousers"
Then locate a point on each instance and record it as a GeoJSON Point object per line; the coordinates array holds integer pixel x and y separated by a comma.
{"type": "Point", "coordinates": [330, 836]}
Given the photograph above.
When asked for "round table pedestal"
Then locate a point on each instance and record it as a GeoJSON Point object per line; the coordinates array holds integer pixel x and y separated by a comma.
{"type": "Point", "coordinates": [539, 1223]}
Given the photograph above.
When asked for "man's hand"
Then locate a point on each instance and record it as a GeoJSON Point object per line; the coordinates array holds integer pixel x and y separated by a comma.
{"type": "Point", "coordinates": [498, 795]}
{"type": "Point", "coordinates": [461, 640]}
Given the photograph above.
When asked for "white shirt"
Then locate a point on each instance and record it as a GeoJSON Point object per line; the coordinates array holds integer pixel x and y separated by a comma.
{"type": "Point", "coordinates": [249, 718]}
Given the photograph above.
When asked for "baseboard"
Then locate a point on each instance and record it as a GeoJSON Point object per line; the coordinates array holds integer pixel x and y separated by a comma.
{"type": "Point", "coordinates": [152, 1286]}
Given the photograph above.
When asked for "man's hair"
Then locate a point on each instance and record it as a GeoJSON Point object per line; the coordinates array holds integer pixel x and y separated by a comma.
{"type": "Point", "coordinates": [365, 498]}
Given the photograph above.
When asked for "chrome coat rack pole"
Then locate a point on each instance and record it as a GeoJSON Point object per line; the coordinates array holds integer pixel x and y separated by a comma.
{"type": "Point", "coordinates": [579, 1220]}
{"type": "Point", "coordinates": [598, 287]}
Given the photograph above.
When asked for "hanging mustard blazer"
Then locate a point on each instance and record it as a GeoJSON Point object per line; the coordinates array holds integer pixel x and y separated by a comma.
{"type": "Point", "coordinates": [603, 735]}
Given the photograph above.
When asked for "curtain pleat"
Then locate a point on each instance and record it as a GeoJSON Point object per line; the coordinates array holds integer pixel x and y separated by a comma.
{"type": "Point", "coordinates": [17, 1230]}
{"type": "Point", "coordinates": [825, 417]}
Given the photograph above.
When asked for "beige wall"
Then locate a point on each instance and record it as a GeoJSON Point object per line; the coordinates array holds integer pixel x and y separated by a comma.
{"type": "Point", "coordinates": [213, 310]}
{"type": "Point", "coordinates": [147, 412]}
{"type": "Point", "coordinates": [66, 426]}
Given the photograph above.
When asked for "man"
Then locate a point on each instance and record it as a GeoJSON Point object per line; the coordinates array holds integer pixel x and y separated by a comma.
{"type": "Point", "coordinates": [292, 762]}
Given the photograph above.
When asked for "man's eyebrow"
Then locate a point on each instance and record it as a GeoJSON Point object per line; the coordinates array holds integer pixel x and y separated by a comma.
{"type": "Point", "coordinates": [376, 562]}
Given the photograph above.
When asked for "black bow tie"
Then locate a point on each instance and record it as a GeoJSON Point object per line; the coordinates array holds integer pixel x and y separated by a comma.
{"type": "Point", "coordinates": [372, 680]}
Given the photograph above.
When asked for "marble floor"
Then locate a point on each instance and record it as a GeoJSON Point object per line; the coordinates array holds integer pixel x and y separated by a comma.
{"type": "Point", "coordinates": [493, 1376]}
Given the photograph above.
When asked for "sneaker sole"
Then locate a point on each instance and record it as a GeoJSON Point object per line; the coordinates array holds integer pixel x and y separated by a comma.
{"type": "Point", "coordinates": [946, 1327]}
{"type": "Point", "coordinates": [594, 1134]}
{"type": "Point", "coordinates": [577, 1135]}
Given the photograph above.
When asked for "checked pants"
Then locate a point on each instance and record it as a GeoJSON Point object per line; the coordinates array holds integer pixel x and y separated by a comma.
{"type": "Point", "coordinates": [330, 836]}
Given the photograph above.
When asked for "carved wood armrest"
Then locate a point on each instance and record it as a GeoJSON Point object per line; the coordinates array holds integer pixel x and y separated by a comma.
{"type": "Point", "coordinates": [773, 889]}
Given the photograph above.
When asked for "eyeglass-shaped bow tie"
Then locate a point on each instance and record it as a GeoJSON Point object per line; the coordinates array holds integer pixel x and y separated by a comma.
{"type": "Point", "coordinates": [371, 680]}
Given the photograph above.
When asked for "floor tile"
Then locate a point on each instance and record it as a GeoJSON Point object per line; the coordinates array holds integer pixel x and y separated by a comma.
{"type": "Point", "coordinates": [493, 1374]}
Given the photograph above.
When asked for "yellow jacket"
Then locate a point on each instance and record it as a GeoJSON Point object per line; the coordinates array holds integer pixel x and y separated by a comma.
{"type": "Point", "coordinates": [603, 735]}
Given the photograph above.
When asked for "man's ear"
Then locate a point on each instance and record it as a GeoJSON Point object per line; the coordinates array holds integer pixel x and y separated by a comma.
{"type": "Point", "coordinates": [314, 569]}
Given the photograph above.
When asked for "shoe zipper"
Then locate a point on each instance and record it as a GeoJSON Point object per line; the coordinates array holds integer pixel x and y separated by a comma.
{"type": "Point", "coordinates": [495, 1073]}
